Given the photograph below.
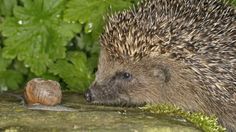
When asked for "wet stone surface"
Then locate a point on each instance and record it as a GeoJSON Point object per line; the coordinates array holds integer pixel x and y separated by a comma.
{"type": "Point", "coordinates": [15, 117]}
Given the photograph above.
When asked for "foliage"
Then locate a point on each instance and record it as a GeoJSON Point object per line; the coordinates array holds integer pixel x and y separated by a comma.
{"type": "Point", "coordinates": [36, 35]}
{"type": "Point", "coordinates": [39, 37]}
{"type": "Point", "coordinates": [6, 7]}
{"type": "Point", "coordinates": [206, 123]}
{"type": "Point", "coordinates": [53, 39]}
{"type": "Point", "coordinates": [74, 66]}
{"type": "Point", "coordinates": [92, 16]}
{"type": "Point", "coordinates": [9, 77]}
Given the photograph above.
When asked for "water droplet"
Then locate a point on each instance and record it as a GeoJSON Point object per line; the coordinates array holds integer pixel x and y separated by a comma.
{"type": "Point", "coordinates": [81, 21]}
{"type": "Point", "coordinates": [71, 22]}
{"type": "Point", "coordinates": [58, 15]}
{"type": "Point", "coordinates": [20, 22]}
{"type": "Point", "coordinates": [41, 20]}
{"type": "Point", "coordinates": [89, 27]}
{"type": "Point", "coordinates": [26, 65]}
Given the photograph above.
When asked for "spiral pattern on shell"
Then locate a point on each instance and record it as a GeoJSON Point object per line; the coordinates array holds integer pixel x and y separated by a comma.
{"type": "Point", "coordinates": [44, 92]}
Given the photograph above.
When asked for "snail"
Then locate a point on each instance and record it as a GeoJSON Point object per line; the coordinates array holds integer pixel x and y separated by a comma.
{"type": "Point", "coordinates": [40, 94]}
{"type": "Point", "coordinates": [44, 92]}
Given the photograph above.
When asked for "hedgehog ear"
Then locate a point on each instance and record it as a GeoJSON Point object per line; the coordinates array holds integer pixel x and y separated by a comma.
{"type": "Point", "coordinates": [162, 72]}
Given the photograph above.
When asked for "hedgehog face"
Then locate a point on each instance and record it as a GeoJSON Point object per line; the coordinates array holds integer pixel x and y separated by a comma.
{"type": "Point", "coordinates": [149, 80]}
{"type": "Point", "coordinates": [133, 83]}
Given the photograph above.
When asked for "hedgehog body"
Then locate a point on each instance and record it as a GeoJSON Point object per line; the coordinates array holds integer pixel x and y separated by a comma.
{"type": "Point", "coordinates": [181, 52]}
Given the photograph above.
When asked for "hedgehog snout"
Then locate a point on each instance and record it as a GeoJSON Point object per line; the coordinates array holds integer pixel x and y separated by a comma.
{"type": "Point", "coordinates": [88, 96]}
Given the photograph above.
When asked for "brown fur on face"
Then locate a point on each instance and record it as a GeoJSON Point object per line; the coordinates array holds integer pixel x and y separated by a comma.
{"type": "Point", "coordinates": [155, 80]}
{"type": "Point", "coordinates": [152, 80]}
{"type": "Point", "coordinates": [180, 52]}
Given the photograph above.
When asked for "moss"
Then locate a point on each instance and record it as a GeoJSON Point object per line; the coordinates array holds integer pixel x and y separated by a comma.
{"type": "Point", "coordinates": [206, 123]}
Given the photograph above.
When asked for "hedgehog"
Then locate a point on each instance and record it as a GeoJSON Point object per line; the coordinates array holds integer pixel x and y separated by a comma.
{"type": "Point", "coordinates": [178, 52]}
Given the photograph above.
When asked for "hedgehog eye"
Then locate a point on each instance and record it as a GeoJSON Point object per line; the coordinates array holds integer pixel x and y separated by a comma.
{"type": "Point", "coordinates": [126, 76]}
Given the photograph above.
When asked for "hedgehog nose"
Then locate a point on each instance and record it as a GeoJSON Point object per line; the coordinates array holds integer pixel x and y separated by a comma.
{"type": "Point", "coordinates": [88, 95]}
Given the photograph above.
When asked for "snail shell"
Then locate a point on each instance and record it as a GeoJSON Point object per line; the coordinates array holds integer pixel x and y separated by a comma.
{"type": "Point", "coordinates": [44, 92]}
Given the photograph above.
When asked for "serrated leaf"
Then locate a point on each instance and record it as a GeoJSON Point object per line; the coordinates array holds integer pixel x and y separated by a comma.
{"type": "Point", "coordinates": [74, 71]}
{"type": "Point", "coordinates": [92, 12]}
{"type": "Point", "coordinates": [36, 34]}
{"type": "Point", "coordinates": [10, 79]}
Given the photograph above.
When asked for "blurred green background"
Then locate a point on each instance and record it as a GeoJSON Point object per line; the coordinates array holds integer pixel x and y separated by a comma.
{"type": "Point", "coordinates": [52, 39]}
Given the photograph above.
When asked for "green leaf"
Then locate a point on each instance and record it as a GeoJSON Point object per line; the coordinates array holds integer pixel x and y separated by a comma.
{"type": "Point", "coordinates": [20, 67]}
{"type": "Point", "coordinates": [36, 34]}
{"type": "Point", "coordinates": [86, 43]}
{"type": "Point", "coordinates": [10, 79]}
{"type": "Point", "coordinates": [91, 12]}
{"type": "Point", "coordinates": [50, 76]}
{"type": "Point", "coordinates": [92, 62]}
{"type": "Point", "coordinates": [6, 7]}
{"type": "Point", "coordinates": [4, 63]}
{"type": "Point", "coordinates": [74, 71]}
{"type": "Point", "coordinates": [46, 76]}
